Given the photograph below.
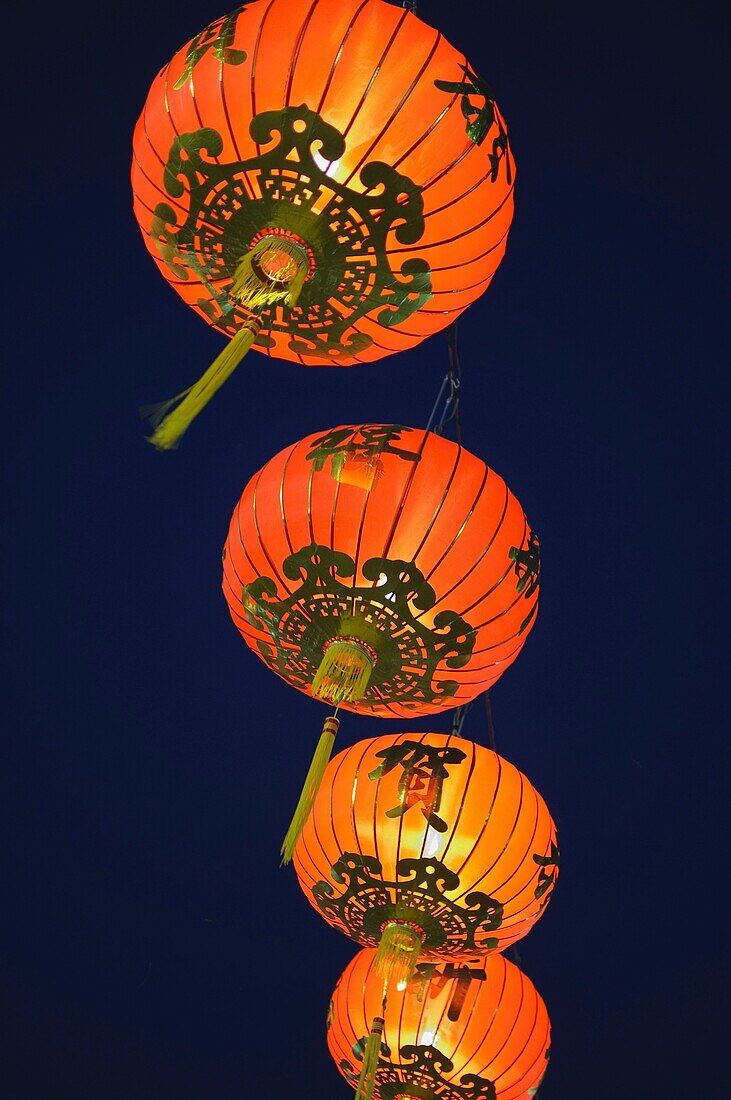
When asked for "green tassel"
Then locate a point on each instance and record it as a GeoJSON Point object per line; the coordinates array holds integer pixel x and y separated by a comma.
{"type": "Point", "coordinates": [398, 953]}
{"type": "Point", "coordinates": [170, 430]}
{"type": "Point", "coordinates": [310, 787]}
{"type": "Point", "coordinates": [272, 272]}
{"type": "Point", "coordinates": [343, 673]}
{"type": "Point", "coordinates": [367, 1079]}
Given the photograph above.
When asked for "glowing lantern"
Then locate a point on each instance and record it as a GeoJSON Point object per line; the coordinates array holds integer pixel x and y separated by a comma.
{"type": "Point", "coordinates": [477, 1030]}
{"type": "Point", "coordinates": [326, 179]}
{"type": "Point", "coordinates": [381, 568]}
{"type": "Point", "coordinates": [427, 845]}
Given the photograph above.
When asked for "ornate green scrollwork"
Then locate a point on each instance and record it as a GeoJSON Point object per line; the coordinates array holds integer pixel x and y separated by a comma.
{"type": "Point", "coordinates": [548, 874]}
{"type": "Point", "coordinates": [480, 118]}
{"type": "Point", "coordinates": [527, 565]}
{"type": "Point", "coordinates": [361, 441]}
{"type": "Point", "coordinates": [421, 1074]}
{"type": "Point", "coordinates": [286, 187]}
{"type": "Point", "coordinates": [384, 616]}
{"type": "Point", "coordinates": [217, 37]}
{"type": "Point", "coordinates": [417, 896]}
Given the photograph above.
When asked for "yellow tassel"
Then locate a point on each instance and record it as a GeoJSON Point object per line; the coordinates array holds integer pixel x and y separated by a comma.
{"type": "Point", "coordinates": [310, 787]}
{"type": "Point", "coordinates": [367, 1079]}
{"type": "Point", "coordinates": [171, 429]}
{"type": "Point", "coordinates": [344, 672]}
{"type": "Point", "coordinates": [273, 271]}
{"type": "Point", "coordinates": [398, 953]}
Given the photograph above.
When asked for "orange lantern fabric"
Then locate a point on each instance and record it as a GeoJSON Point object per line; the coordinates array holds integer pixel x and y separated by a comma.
{"type": "Point", "coordinates": [382, 568]}
{"type": "Point", "coordinates": [432, 836]}
{"type": "Point", "coordinates": [350, 152]}
{"type": "Point", "coordinates": [474, 1031]}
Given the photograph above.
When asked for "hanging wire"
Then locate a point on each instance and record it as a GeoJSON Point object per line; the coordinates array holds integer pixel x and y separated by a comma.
{"type": "Point", "coordinates": [490, 726]}
{"type": "Point", "coordinates": [451, 383]}
{"type": "Point", "coordinates": [455, 374]}
{"type": "Point", "coordinates": [410, 5]}
{"type": "Point", "coordinates": [458, 720]}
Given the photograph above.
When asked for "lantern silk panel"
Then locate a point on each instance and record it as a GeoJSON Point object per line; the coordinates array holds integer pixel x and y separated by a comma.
{"type": "Point", "coordinates": [432, 831]}
{"type": "Point", "coordinates": [433, 565]}
{"type": "Point", "coordinates": [474, 1031]}
{"type": "Point", "coordinates": [350, 127]}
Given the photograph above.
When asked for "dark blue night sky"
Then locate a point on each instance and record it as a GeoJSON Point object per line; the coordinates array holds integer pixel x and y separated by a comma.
{"type": "Point", "coordinates": [154, 948]}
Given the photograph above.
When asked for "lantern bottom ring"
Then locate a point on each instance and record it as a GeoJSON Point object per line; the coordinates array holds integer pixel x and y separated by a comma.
{"type": "Point", "coordinates": [274, 233]}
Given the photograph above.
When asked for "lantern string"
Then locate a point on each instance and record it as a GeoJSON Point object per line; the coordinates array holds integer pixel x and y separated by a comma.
{"type": "Point", "coordinates": [430, 422]}
{"type": "Point", "coordinates": [455, 374]}
{"type": "Point", "coordinates": [490, 726]}
{"type": "Point", "coordinates": [459, 716]}
{"type": "Point", "coordinates": [452, 379]}
{"type": "Point", "coordinates": [410, 5]}
{"type": "Point", "coordinates": [461, 713]}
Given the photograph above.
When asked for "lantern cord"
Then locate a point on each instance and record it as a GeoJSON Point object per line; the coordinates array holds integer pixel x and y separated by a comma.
{"type": "Point", "coordinates": [459, 716]}
{"type": "Point", "coordinates": [371, 1054]}
{"type": "Point", "coordinates": [455, 374]}
{"type": "Point", "coordinates": [490, 726]}
{"type": "Point", "coordinates": [311, 785]}
{"type": "Point", "coordinates": [453, 380]}
{"type": "Point", "coordinates": [432, 417]}
{"type": "Point", "coordinates": [410, 5]}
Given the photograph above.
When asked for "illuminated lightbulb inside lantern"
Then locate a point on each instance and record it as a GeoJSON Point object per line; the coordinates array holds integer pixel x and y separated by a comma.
{"type": "Point", "coordinates": [427, 1038]}
{"type": "Point", "coordinates": [431, 842]}
{"type": "Point", "coordinates": [329, 167]}
{"type": "Point", "coordinates": [401, 985]}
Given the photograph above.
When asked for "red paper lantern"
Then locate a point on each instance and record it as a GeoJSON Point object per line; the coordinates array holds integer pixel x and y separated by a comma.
{"type": "Point", "coordinates": [329, 180]}
{"type": "Point", "coordinates": [382, 568]}
{"type": "Point", "coordinates": [429, 846]}
{"type": "Point", "coordinates": [478, 1030]}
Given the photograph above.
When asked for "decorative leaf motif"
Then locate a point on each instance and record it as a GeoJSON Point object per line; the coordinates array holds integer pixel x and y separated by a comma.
{"type": "Point", "coordinates": [285, 187]}
{"type": "Point", "coordinates": [384, 616]}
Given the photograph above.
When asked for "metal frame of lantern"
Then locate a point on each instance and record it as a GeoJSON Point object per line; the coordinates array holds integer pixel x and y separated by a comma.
{"type": "Point", "coordinates": [328, 181]}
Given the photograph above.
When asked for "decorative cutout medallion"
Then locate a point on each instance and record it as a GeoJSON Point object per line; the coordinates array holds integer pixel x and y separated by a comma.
{"type": "Point", "coordinates": [384, 617]}
{"type": "Point", "coordinates": [420, 1074]}
{"type": "Point", "coordinates": [417, 896]}
{"type": "Point", "coordinates": [286, 187]}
